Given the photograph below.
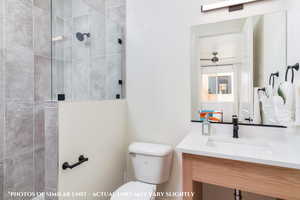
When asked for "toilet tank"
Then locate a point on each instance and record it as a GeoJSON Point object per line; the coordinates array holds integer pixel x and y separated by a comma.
{"type": "Point", "coordinates": [151, 162]}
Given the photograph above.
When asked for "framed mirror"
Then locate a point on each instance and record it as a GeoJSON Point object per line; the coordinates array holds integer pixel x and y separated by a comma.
{"type": "Point", "coordinates": [236, 62]}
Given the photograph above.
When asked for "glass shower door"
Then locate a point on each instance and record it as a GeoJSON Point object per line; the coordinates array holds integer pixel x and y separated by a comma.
{"type": "Point", "coordinates": [88, 49]}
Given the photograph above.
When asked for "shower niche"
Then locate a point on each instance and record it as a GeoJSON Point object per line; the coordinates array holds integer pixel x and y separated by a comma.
{"type": "Point", "coordinates": [88, 50]}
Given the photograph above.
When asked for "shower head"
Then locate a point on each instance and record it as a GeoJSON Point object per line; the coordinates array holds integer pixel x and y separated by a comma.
{"type": "Point", "coordinates": [80, 36]}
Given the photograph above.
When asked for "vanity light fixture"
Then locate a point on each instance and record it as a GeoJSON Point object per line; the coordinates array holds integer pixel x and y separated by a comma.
{"type": "Point", "coordinates": [233, 5]}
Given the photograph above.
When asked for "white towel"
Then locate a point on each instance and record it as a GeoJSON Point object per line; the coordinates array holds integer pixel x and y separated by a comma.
{"type": "Point", "coordinates": [288, 91]}
{"type": "Point", "coordinates": [275, 111]}
{"type": "Point", "coordinates": [269, 91]}
{"type": "Point", "coordinates": [267, 108]}
{"type": "Point", "coordinates": [297, 94]}
{"type": "Point", "coordinates": [282, 112]}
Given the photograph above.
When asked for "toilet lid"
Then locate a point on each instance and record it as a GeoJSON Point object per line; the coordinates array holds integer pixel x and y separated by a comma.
{"type": "Point", "coordinates": [134, 191]}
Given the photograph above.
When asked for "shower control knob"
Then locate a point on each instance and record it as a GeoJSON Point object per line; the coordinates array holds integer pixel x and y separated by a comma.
{"type": "Point", "coordinates": [120, 41]}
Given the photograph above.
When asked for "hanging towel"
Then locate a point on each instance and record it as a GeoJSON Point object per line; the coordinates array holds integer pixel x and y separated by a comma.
{"type": "Point", "coordinates": [282, 113]}
{"type": "Point", "coordinates": [269, 91]}
{"type": "Point", "coordinates": [267, 108]}
{"type": "Point", "coordinates": [287, 91]}
{"type": "Point", "coordinates": [274, 111]}
{"type": "Point", "coordinates": [297, 94]}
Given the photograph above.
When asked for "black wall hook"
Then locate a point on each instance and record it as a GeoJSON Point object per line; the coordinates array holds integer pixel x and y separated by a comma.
{"type": "Point", "coordinates": [272, 78]}
{"type": "Point", "coordinates": [293, 68]}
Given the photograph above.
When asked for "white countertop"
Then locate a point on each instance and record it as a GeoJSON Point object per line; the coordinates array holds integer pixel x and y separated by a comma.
{"type": "Point", "coordinates": [275, 147]}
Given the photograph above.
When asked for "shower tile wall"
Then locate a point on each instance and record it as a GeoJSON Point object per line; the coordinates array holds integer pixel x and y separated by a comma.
{"type": "Point", "coordinates": [25, 82]}
{"type": "Point", "coordinates": [88, 70]}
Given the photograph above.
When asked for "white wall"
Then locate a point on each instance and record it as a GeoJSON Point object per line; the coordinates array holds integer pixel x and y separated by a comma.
{"type": "Point", "coordinates": [158, 64]}
{"type": "Point", "coordinates": [99, 131]}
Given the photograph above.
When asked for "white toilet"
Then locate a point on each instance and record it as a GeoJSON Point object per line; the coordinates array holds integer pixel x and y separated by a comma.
{"type": "Point", "coordinates": [152, 164]}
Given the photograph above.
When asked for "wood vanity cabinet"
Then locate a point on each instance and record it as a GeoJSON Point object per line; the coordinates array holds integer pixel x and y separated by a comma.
{"type": "Point", "coordinates": [277, 182]}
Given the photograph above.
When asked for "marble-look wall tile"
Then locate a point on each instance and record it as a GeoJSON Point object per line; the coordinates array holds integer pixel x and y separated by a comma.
{"type": "Point", "coordinates": [115, 3]}
{"type": "Point", "coordinates": [113, 31]}
{"type": "Point", "coordinates": [2, 6]}
{"type": "Point", "coordinates": [98, 5]}
{"type": "Point", "coordinates": [62, 9]}
{"type": "Point", "coordinates": [57, 77]}
{"type": "Point", "coordinates": [19, 175]}
{"type": "Point", "coordinates": [50, 194]}
{"type": "Point", "coordinates": [27, 79]}
{"type": "Point", "coordinates": [97, 28]}
{"type": "Point", "coordinates": [2, 104]}
{"type": "Point", "coordinates": [80, 80]}
{"type": "Point", "coordinates": [19, 26]}
{"type": "Point", "coordinates": [19, 72]}
{"type": "Point", "coordinates": [43, 4]}
{"type": "Point", "coordinates": [68, 54]}
{"type": "Point", "coordinates": [19, 128]}
{"type": "Point", "coordinates": [68, 79]}
{"type": "Point", "coordinates": [117, 15]}
{"type": "Point", "coordinates": [58, 46]}
{"type": "Point", "coordinates": [42, 78]}
{"type": "Point", "coordinates": [42, 32]}
{"type": "Point", "coordinates": [97, 78]}
{"type": "Point", "coordinates": [113, 75]}
{"type": "Point", "coordinates": [51, 146]}
{"type": "Point", "coordinates": [1, 179]}
{"type": "Point", "coordinates": [81, 49]}
{"type": "Point", "coordinates": [39, 170]}
{"type": "Point", "coordinates": [68, 34]}
{"type": "Point", "coordinates": [80, 7]}
{"type": "Point", "coordinates": [39, 126]}
{"type": "Point", "coordinates": [1, 31]}
{"type": "Point", "coordinates": [2, 129]}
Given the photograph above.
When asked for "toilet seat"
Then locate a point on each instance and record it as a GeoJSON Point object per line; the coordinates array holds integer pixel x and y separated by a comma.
{"type": "Point", "coordinates": [134, 191]}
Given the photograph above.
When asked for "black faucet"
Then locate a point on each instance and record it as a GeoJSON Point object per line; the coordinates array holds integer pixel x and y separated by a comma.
{"type": "Point", "coordinates": [235, 122]}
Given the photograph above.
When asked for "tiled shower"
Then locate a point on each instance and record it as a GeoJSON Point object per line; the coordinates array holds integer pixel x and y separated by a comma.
{"type": "Point", "coordinates": [34, 70]}
{"type": "Point", "coordinates": [89, 69]}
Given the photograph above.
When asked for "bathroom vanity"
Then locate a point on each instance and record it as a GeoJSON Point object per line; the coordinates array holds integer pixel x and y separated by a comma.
{"type": "Point", "coordinates": [262, 163]}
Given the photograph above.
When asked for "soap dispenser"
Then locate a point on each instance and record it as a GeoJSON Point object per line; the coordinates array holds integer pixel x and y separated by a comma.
{"type": "Point", "coordinates": [206, 126]}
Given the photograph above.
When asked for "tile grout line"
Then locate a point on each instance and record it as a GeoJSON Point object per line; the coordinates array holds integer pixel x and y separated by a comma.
{"type": "Point", "coordinates": [4, 94]}
{"type": "Point", "coordinates": [34, 92]}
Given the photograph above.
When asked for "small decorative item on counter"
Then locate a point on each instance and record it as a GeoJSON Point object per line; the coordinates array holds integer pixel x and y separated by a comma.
{"type": "Point", "coordinates": [213, 115]}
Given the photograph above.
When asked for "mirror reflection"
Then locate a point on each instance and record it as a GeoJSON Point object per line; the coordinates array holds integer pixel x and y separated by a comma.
{"type": "Point", "coordinates": [237, 66]}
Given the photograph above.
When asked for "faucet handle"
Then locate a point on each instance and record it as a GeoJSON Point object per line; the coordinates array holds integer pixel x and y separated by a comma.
{"type": "Point", "coordinates": [235, 119]}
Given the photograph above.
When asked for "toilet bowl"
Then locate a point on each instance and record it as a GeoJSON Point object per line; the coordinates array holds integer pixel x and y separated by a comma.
{"type": "Point", "coordinates": [151, 164]}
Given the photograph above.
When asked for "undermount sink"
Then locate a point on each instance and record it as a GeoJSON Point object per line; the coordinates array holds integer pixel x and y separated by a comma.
{"type": "Point", "coordinates": [237, 145]}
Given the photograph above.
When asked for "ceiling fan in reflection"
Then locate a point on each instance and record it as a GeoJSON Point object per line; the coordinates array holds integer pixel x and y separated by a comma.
{"type": "Point", "coordinates": [215, 59]}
